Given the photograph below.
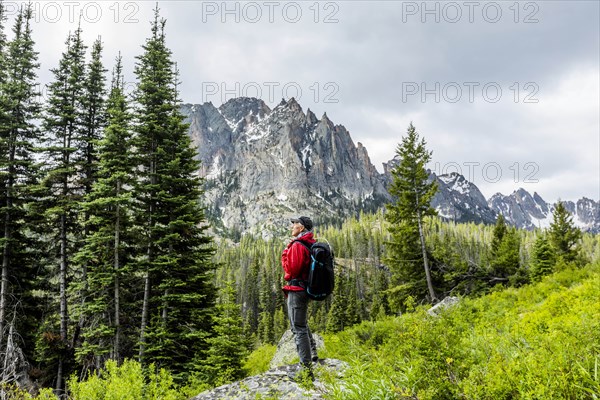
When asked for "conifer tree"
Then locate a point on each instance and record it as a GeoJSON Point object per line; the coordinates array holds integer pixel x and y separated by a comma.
{"type": "Point", "coordinates": [352, 312]}
{"type": "Point", "coordinates": [498, 234]}
{"type": "Point", "coordinates": [177, 263]}
{"type": "Point", "coordinates": [93, 115]}
{"type": "Point", "coordinates": [19, 109]}
{"type": "Point", "coordinates": [543, 258]}
{"type": "Point", "coordinates": [407, 254]}
{"type": "Point", "coordinates": [336, 319]}
{"type": "Point", "coordinates": [229, 347]}
{"type": "Point", "coordinates": [506, 261]}
{"type": "Point", "coordinates": [63, 129]}
{"type": "Point", "coordinates": [266, 333]}
{"type": "Point", "coordinates": [280, 324]}
{"type": "Point", "coordinates": [110, 244]}
{"type": "Point", "coordinates": [564, 236]}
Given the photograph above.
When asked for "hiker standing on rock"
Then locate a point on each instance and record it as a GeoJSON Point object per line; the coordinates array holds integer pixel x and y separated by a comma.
{"type": "Point", "coordinates": [295, 261]}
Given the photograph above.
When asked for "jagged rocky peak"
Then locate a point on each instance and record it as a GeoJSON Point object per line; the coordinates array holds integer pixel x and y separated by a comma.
{"type": "Point", "coordinates": [456, 181]}
{"type": "Point", "coordinates": [290, 105]}
{"type": "Point", "coordinates": [541, 203]}
{"type": "Point", "coordinates": [460, 200]}
{"type": "Point", "coordinates": [241, 112]}
{"type": "Point", "coordinates": [311, 118]}
{"type": "Point", "coordinates": [281, 162]}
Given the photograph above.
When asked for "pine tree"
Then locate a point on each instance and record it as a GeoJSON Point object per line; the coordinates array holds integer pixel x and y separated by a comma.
{"type": "Point", "coordinates": [543, 258]}
{"type": "Point", "coordinates": [229, 347]}
{"type": "Point", "coordinates": [564, 236]}
{"type": "Point", "coordinates": [266, 332]}
{"type": "Point", "coordinates": [336, 319]}
{"type": "Point", "coordinates": [177, 265]}
{"type": "Point", "coordinates": [352, 311]}
{"type": "Point", "coordinates": [63, 129]}
{"type": "Point", "coordinates": [19, 109]}
{"type": "Point", "coordinates": [93, 116]}
{"type": "Point", "coordinates": [498, 234]}
{"type": "Point", "coordinates": [407, 254]}
{"type": "Point", "coordinates": [280, 324]}
{"type": "Point", "coordinates": [110, 244]}
{"type": "Point", "coordinates": [506, 261]}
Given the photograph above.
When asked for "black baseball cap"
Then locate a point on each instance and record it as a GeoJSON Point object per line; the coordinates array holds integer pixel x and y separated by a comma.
{"type": "Point", "coordinates": [305, 221]}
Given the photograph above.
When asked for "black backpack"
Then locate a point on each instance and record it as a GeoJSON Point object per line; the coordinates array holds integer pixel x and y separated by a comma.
{"type": "Point", "coordinates": [321, 278]}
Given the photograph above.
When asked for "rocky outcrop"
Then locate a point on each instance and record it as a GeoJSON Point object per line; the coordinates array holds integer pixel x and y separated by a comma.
{"type": "Point", "coordinates": [276, 383]}
{"type": "Point", "coordinates": [286, 349]}
{"type": "Point", "coordinates": [448, 302]}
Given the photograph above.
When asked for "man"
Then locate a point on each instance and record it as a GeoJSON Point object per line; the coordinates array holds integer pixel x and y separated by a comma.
{"type": "Point", "coordinates": [295, 261]}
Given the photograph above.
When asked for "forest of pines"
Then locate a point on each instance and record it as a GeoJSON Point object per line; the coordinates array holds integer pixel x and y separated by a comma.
{"type": "Point", "coordinates": [106, 255]}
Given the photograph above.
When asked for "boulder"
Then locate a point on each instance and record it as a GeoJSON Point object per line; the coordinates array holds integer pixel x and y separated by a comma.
{"type": "Point", "coordinates": [449, 301]}
{"type": "Point", "coordinates": [276, 383]}
{"type": "Point", "coordinates": [286, 349]}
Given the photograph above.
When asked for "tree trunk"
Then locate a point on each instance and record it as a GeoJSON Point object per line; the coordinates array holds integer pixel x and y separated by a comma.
{"type": "Point", "coordinates": [116, 264]}
{"type": "Point", "coordinates": [4, 285]}
{"type": "Point", "coordinates": [145, 306]}
{"type": "Point", "coordinates": [146, 302]}
{"type": "Point", "coordinates": [7, 236]}
{"type": "Point", "coordinates": [425, 261]}
{"type": "Point", "coordinates": [63, 298]}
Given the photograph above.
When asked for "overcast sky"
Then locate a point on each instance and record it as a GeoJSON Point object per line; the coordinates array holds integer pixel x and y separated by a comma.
{"type": "Point", "coordinates": [507, 93]}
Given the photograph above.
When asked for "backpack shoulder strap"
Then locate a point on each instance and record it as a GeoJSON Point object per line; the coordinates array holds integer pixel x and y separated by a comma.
{"type": "Point", "coordinates": [303, 244]}
{"type": "Point", "coordinates": [307, 248]}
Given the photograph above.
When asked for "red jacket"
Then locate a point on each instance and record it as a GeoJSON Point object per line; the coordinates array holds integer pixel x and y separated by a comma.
{"type": "Point", "coordinates": [295, 260]}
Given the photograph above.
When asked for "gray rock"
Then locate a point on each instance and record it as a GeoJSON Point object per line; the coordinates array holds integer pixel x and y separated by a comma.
{"type": "Point", "coordinates": [449, 301]}
{"type": "Point", "coordinates": [459, 200]}
{"type": "Point", "coordinates": [276, 383]}
{"type": "Point", "coordinates": [286, 349]}
{"type": "Point", "coordinates": [263, 166]}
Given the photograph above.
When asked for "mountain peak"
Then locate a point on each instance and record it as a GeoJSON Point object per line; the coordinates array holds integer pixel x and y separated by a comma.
{"type": "Point", "coordinates": [311, 118]}
{"type": "Point", "coordinates": [288, 163]}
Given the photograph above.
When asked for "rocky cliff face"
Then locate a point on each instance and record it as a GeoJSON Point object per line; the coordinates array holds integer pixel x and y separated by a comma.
{"type": "Point", "coordinates": [264, 166]}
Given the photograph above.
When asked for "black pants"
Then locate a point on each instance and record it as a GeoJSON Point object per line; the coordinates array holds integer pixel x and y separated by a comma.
{"type": "Point", "coordinates": [297, 305]}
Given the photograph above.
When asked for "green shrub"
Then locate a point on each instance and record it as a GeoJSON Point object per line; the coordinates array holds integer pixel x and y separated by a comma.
{"type": "Point", "coordinates": [541, 341]}
{"type": "Point", "coordinates": [258, 361]}
{"type": "Point", "coordinates": [125, 382]}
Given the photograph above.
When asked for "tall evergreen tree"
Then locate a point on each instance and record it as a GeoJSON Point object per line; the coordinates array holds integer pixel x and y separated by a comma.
{"type": "Point", "coordinates": [498, 234]}
{"type": "Point", "coordinates": [407, 254]}
{"type": "Point", "coordinates": [110, 245]}
{"type": "Point", "coordinates": [336, 319]}
{"type": "Point", "coordinates": [19, 109]}
{"type": "Point", "coordinates": [177, 284]}
{"type": "Point", "coordinates": [93, 116]}
{"type": "Point", "coordinates": [563, 234]}
{"type": "Point", "coordinates": [229, 346]}
{"type": "Point", "coordinates": [543, 258]}
{"type": "Point", "coordinates": [62, 125]}
{"type": "Point", "coordinates": [506, 261]}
